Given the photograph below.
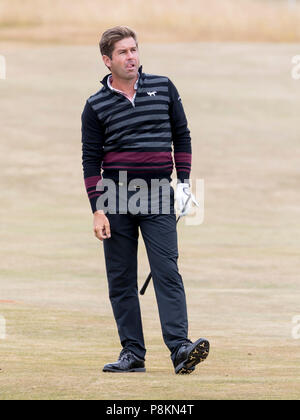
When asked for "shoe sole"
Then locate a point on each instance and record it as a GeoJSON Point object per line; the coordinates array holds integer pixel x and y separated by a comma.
{"type": "Point", "coordinates": [124, 371]}
{"type": "Point", "coordinates": [197, 354]}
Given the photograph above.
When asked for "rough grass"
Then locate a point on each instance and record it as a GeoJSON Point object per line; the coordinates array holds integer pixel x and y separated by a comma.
{"type": "Point", "coordinates": [74, 21]}
{"type": "Point", "coordinates": [240, 267]}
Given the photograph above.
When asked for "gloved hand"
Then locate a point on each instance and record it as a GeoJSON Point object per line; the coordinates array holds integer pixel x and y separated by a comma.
{"type": "Point", "coordinates": [184, 198]}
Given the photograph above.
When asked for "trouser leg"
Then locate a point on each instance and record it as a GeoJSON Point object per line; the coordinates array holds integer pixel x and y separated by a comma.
{"type": "Point", "coordinates": [121, 267]}
{"type": "Point", "coordinates": [160, 237]}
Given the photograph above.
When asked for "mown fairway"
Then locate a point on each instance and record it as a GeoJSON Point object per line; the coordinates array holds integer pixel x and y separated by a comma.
{"type": "Point", "coordinates": [240, 267]}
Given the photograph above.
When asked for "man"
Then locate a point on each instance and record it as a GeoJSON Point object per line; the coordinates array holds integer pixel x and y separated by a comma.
{"type": "Point", "coordinates": [129, 127]}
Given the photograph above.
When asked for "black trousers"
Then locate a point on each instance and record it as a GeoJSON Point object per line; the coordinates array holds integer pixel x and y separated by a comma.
{"type": "Point", "coordinates": [160, 238]}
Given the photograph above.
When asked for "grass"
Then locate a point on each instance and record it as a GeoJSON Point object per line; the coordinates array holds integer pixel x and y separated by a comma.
{"type": "Point", "coordinates": [61, 21]}
{"type": "Point", "coordinates": [240, 267]}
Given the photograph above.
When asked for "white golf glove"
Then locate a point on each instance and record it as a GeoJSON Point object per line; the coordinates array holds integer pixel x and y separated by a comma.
{"type": "Point", "coordinates": [184, 198]}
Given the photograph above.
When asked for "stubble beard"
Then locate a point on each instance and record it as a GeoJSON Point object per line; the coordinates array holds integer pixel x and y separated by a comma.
{"type": "Point", "coordinates": [123, 74]}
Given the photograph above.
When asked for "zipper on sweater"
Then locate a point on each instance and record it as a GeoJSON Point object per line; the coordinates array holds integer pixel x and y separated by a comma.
{"type": "Point", "coordinates": [123, 96]}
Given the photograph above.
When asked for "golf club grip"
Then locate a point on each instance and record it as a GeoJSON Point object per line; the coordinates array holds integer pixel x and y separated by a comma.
{"type": "Point", "coordinates": [147, 281]}
{"type": "Point", "coordinates": [143, 289]}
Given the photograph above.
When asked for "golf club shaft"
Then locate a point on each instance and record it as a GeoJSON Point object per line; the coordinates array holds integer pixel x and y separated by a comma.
{"type": "Point", "coordinates": [143, 289]}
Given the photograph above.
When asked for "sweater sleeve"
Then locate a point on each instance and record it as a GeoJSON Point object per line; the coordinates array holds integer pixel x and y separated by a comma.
{"type": "Point", "coordinates": [181, 135]}
{"type": "Point", "coordinates": [92, 152]}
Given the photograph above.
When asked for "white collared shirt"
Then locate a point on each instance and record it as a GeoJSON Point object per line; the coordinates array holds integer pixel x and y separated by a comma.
{"type": "Point", "coordinates": [120, 91]}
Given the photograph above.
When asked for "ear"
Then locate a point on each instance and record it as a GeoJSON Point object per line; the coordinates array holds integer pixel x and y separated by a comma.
{"type": "Point", "coordinates": [106, 61]}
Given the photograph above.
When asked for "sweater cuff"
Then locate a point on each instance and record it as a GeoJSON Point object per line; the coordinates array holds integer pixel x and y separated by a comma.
{"type": "Point", "coordinates": [183, 176]}
{"type": "Point", "coordinates": [183, 163]}
{"type": "Point", "coordinates": [93, 203]}
{"type": "Point", "coordinates": [91, 184]}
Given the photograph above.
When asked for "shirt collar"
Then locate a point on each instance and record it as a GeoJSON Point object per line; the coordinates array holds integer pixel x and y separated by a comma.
{"type": "Point", "coordinates": [109, 81]}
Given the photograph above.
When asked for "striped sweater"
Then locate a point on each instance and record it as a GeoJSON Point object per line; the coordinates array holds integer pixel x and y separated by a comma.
{"type": "Point", "coordinates": [138, 137]}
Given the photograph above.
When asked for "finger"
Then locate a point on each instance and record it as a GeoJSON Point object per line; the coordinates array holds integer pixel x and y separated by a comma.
{"type": "Point", "coordinates": [98, 233]}
{"type": "Point", "coordinates": [107, 230]}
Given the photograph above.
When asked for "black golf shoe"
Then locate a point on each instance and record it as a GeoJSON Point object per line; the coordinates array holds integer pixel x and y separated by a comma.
{"type": "Point", "coordinates": [127, 362]}
{"type": "Point", "coordinates": [189, 355]}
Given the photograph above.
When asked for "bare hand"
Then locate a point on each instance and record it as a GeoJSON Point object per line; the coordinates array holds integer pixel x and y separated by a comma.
{"type": "Point", "coordinates": [101, 225]}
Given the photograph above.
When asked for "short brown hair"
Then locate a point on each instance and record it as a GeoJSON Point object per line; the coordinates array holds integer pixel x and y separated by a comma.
{"type": "Point", "coordinates": [113, 35]}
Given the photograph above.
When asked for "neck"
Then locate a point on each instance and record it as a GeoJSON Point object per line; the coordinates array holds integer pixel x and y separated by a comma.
{"type": "Point", "coordinates": [123, 84]}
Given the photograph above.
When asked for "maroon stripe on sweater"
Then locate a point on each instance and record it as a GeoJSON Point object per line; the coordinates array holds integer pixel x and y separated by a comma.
{"type": "Point", "coordinates": [145, 157]}
{"type": "Point", "coordinates": [138, 168]}
{"type": "Point", "coordinates": [183, 157]}
{"type": "Point", "coordinates": [180, 167]}
{"type": "Point", "coordinates": [92, 181]}
{"type": "Point", "coordinates": [97, 194]}
{"type": "Point", "coordinates": [93, 193]}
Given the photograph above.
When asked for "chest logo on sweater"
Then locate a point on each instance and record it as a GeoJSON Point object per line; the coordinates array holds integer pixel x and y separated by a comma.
{"type": "Point", "coordinates": [152, 93]}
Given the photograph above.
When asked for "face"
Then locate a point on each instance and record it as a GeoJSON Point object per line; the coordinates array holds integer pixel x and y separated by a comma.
{"type": "Point", "coordinates": [125, 62]}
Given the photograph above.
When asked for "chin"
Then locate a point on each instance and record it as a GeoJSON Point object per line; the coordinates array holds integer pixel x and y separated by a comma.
{"type": "Point", "coordinates": [131, 75]}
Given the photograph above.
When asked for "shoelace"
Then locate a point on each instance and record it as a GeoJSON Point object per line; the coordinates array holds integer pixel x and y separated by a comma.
{"type": "Point", "coordinates": [125, 355]}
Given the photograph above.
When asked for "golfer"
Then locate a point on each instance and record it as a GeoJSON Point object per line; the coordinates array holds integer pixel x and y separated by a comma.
{"type": "Point", "coordinates": [133, 129]}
